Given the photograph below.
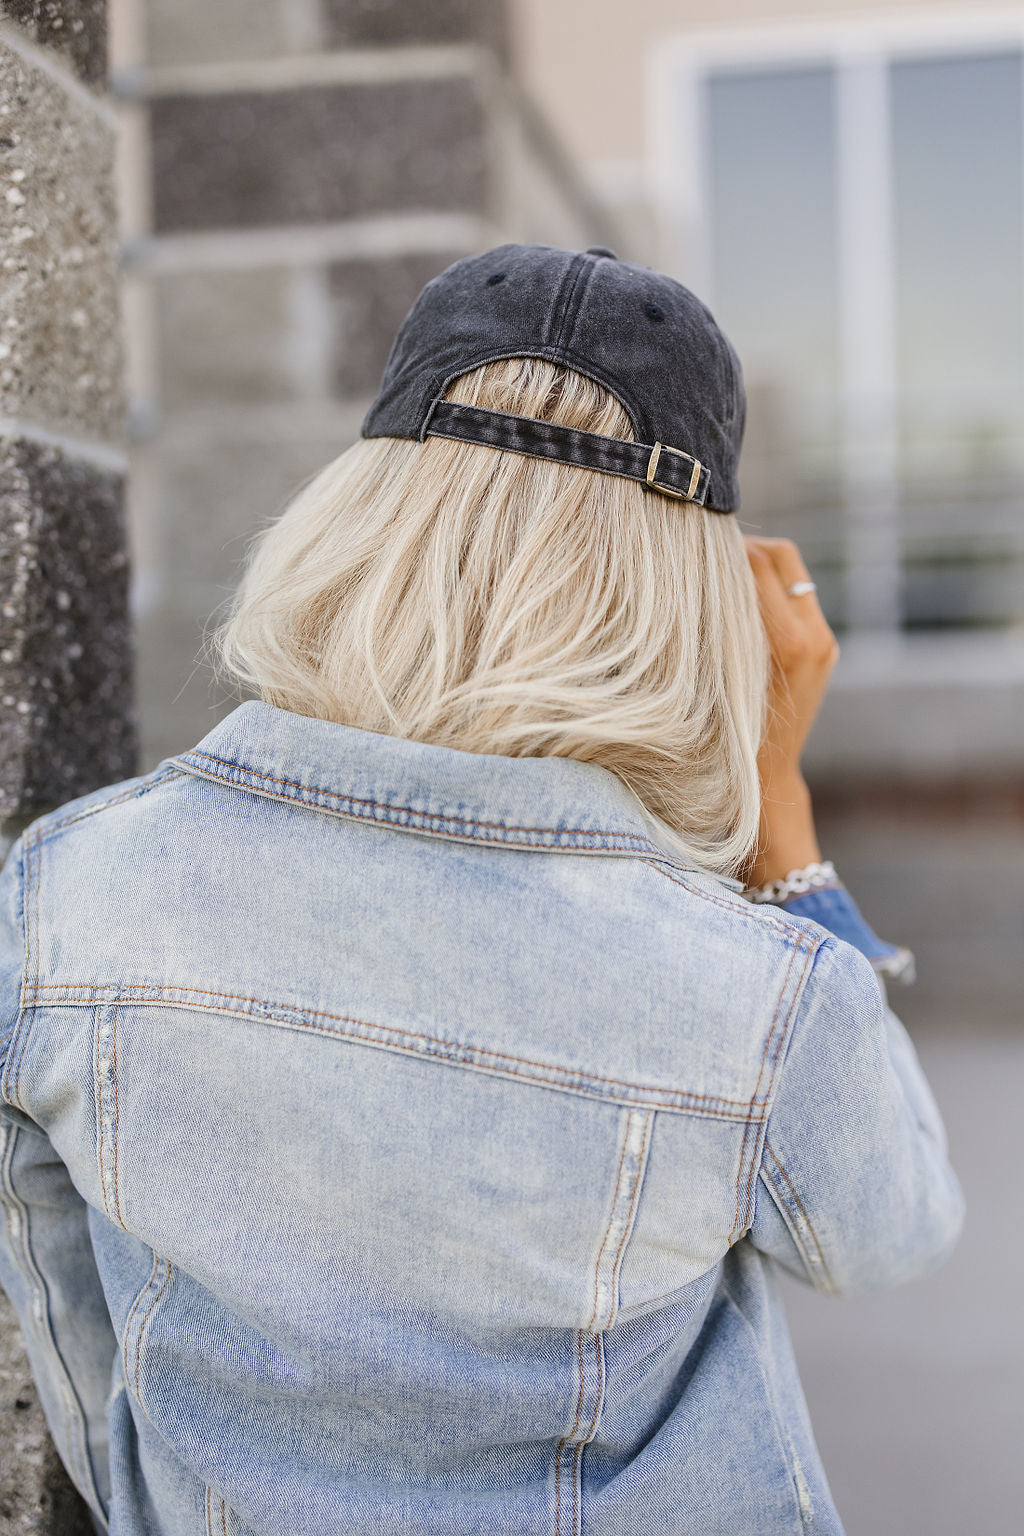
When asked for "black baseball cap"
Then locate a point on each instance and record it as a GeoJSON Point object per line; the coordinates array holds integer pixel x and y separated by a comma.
{"type": "Point", "coordinates": [641, 334]}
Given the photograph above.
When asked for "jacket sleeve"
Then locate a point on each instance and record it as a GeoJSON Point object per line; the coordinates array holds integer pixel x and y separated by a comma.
{"type": "Point", "coordinates": [834, 908]}
{"type": "Point", "coordinates": [855, 1192]}
{"type": "Point", "coordinates": [47, 1264]}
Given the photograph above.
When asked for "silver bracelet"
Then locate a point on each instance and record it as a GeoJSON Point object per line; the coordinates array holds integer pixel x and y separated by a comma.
{"type": "Point", "coordinates": [813, 877]}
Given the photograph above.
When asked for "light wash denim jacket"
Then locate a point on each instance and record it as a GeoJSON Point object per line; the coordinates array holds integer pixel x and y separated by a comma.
{"type": "Point", "coordinates": [398, 1140]}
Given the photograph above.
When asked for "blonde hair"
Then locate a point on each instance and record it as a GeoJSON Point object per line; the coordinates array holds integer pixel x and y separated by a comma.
{"type": "Point", "coordinates": [478, 599]}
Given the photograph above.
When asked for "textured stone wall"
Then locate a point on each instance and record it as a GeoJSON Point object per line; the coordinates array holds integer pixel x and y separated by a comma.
{"type": "Point", "coordinates": [65, 712]}
{"type": "Point", "coordinates": [66, 719]}
{"type": "Point", "coordinates": [307, 165]}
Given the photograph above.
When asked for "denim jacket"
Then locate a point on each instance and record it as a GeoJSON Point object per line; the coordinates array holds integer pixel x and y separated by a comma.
{"type": "Point", "coordinates": [397, 1140]}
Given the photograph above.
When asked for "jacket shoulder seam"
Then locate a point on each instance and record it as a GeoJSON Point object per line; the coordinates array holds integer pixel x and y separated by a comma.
{"type": "Point", "coordinates": [48, 828]}
{"type": "Point", "coordinates": [809, 952]}
{"type": "Point", "coordinates": [795, 932]}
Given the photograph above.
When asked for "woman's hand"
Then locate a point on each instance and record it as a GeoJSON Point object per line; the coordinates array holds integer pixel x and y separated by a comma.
{"type": "Point", "coordinates": [803, 653]}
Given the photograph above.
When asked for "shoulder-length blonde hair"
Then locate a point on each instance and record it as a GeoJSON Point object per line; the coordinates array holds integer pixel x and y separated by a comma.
{"type": "Point", "coordinates": [479, 599]}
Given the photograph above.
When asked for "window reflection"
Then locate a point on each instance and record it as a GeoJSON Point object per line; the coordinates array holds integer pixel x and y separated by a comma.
{"type": "Point", "coordinates": [957, 184]}
{"type": "Point", "coordinates": [771, 174]}
{"type": "Point", "coordinates": [772, 164]}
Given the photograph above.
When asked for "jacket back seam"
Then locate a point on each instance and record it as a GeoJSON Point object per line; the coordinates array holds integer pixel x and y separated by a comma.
{"type": "Point", "coordinates": [430, 1047]}
{"type": "Point", "coordinates": [594, 1330]}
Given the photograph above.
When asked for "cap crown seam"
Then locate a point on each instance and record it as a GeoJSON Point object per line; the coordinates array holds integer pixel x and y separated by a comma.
{"type": "Point", "coordinates": [574, 302]}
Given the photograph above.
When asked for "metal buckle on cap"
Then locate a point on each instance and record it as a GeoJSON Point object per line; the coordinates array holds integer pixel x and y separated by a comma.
{"type": "Point", "coordinates": [670, 490]}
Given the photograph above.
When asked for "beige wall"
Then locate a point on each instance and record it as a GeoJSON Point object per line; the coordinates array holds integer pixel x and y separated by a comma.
{"type": "Point", "coordinates": [584, 59]}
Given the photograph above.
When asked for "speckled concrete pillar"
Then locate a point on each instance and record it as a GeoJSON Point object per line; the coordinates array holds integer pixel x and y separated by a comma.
{"type": "Point", "coordinates": [65, 710]}
{"type": "Point", "coordinates": [66, 723]}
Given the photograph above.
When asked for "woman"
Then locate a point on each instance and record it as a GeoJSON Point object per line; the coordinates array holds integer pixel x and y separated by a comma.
{"type": "Point", "coordinates": [404, 1103]}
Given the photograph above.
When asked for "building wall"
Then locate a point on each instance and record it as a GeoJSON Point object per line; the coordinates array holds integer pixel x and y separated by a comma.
{"type": "Point", "coordinates": [597, 105]}
{"type": "Point", "coordinates": [65, 707]}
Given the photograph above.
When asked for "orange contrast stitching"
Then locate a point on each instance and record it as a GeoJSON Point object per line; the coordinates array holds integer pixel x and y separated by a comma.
{"type": "Point", "coordinates": [593, 1316]}
{"type": "Point", "coordinates": [142, 1326]}
{"type": "Point", "coordinates": [752, 1174]}
{"type": "Point", "coordinates": [611, 1218]}
{"type": "Point", "coordinates": [632, 1206]}
{"type": "Point", "coordinates": [764, 1053]}
{"type": "Point", "coordinates": [600, 1384]}
{"type": "Point", "coordinates": [803, 1213]}
{"type": "Point", "coordinates": [132, 994]}
{"type": "Point", "coordinates": [566, 1438]}
{"type": "Point", "coordinates": [578, 1454]}
{"type": "Point", "coordinates": [131, 1314]}
{"type": "Point", "coordinates": [113, 1053]}
{"type": "Point", "coordinates": [377, 805]}
{"type": "Point", "coordinates": [716, 901]}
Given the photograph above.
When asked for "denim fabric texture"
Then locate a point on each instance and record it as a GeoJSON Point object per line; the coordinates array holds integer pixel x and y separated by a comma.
{"type": "Point", "coordinates": [396, 1140]}
{"type": "Point", "coordinates": [641, 334]}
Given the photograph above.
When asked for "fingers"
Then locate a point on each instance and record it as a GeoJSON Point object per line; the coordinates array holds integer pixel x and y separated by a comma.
{"type": "Point", "coordinates": [785, 557]}
{"type": "Point", "coordinates": [779, 621]}
{"type": "Point", "coordinates": [803, 653]}
{"type": "Point", "coordinates": [797, 628]}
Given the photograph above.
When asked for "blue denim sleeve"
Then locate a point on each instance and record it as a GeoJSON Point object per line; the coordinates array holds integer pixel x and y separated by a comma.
{"type": "Point", "coordinates": [856, 1192]}
{"type": "Point", "coordinates": [47, 1266]}
{"type": "Point", "coordinates": [835, 909]}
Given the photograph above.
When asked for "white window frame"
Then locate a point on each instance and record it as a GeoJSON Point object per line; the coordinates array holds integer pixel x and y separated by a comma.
{"type": "Point", "coordinates": [860, 50]}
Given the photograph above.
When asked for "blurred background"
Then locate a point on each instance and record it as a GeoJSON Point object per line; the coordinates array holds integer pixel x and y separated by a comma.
{"type": "Point", "coordinates": [844, 185]}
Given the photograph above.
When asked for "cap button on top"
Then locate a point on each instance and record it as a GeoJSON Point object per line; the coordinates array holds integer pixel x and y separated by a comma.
{"type": "Point", "coordinates": [600, 250]}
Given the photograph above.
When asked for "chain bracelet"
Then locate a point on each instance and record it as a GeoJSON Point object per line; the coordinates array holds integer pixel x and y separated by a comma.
{"type": "Point", "coordinates": [813, 877]}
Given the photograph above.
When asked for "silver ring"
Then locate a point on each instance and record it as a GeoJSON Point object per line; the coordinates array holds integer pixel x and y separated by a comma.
{"type": "Point", "coordinates": [800, 588]}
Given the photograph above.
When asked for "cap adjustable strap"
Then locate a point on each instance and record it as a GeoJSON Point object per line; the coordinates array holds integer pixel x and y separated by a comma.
{"type": "Point", "coordinates": [666, 470]}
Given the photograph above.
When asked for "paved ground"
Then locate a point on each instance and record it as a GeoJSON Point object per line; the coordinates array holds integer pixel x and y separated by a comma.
{"type": "Point", "coordinates": [916, 1394]}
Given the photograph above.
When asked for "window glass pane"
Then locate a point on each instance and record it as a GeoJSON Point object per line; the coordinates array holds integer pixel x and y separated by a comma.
{"type": "Point", "coordinates": [771, 170]}
{"type": "Point", "coordinates": [957, 203]}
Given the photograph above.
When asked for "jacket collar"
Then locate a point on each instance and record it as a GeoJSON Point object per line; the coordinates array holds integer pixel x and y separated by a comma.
{"type": "Point", "coordinates": [515, 802]}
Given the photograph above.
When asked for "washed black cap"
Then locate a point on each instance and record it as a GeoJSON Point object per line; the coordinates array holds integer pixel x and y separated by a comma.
{"type": "Point", "coordinates": [638, 332]}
